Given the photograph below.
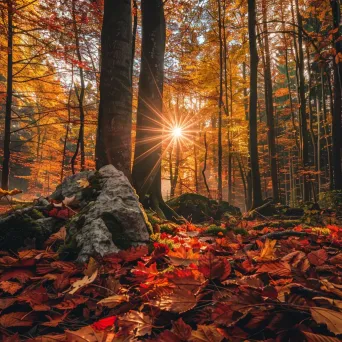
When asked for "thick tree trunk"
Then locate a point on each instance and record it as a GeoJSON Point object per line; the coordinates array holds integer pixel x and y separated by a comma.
{"type": "Point", "coordinates": [146, 172]}
{"type": "Point", "coordinates": [9, 95]}
{"type": "Point", "coordinates": [113, 144]}
{"type": "Point", "coordinates": [253, 102]}
{"type": "Point", "coordinates": [336, 120]}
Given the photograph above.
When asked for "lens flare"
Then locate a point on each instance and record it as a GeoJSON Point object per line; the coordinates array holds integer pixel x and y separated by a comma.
{"type": "Point", "coordinates": [177, 132]}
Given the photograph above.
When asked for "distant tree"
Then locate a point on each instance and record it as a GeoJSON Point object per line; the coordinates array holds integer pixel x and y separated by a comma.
{"type": "Point", "coordinates": [336, 124]}
{"type": "Point", "coordinates": [113, 144]}
{"type": "Point", "coordinates": [253, 97]}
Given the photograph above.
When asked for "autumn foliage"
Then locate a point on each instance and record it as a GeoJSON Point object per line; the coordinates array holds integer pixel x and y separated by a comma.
{"type": "Point", "coordinates": [184, 287]}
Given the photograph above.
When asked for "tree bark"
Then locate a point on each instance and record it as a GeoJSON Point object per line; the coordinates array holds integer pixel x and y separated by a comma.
{"type": "Point", "coordinates": [269, 108]}
{"type": "Point", "coordinates": [9, 95]}
{"type": "Point", "coordinates": [148, 148]}
{"type": "Point", "coordinates": [220, 102]}
{"type": "Point", "coordinates": [80, 95]}
{"type": "Point", "coordinates": [113, 143]}
{"type": "Point", "coordinates": [336, 119]}
{"type": "Point", "coordinates": [253, 102]}
{"type": "Point", "coordinates": [302, 101]}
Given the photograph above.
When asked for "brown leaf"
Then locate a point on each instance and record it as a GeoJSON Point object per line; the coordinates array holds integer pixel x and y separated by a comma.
{"type": "Point", "coordinates": [133, 253]}
{"type": "Point", "coordinates": [77, 285]}
{"type": "Point", "coordinates": [214, 267]}
{"type": "Point", "coordinates": [319, 338]}
{"type": "Point", "coordinates": [181, 329]}
{"type": "Point", "coordinates": [16, 319]}
{"type": "Point", "coordinates": [331, 318]}
{"type": "Point", "coordinates": [6, 302]}
{"type": "Point", "coordinates": [206, 333]}
{"type": "Point", "coordinates": [113, 301]}
{"type": "Point", "coordinates": [318, 258]}
{"type": "Point", "coordinates": [59, 236]}
{"type": "Point", "coordinates": [86, 334]}
{"type": "Point", "coordinates": [275, 268]}
{"type": "Point", "coordinates": [179, 300]}
{"type": "Point", "coordinates": [71, 303]}
{"type": "Point", "coordinates": [55, 319]}
{"type": "Point", "coordinates": [137, 322]}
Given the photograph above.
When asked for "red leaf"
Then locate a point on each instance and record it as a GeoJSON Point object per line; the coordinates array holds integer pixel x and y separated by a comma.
{"type": "Point", "coordinates": [104, 323]}
{"type": "Point", "coordinates": [318, 258]}
{"type": "Point", "coordinates": [214, 267]}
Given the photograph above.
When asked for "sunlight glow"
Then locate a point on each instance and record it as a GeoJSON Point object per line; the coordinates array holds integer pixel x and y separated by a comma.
{"type": "Point", "coordinates": [177, 132]}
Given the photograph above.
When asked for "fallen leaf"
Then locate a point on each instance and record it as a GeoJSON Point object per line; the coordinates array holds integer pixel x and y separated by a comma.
{"type": "Point", "coordinates": [77, 285]}
{"type": "Point", "coordinates": [206, 333]}
{"type": "Point", "coordinates": [113, 301]}
{"type": "Point", "coordinates": [10, 287]}
{"type": "Point", "coordinates": [83, 183]}
{"type": "Point", "coordinates": [137, 322]}
{"type": "Point", "coordinates": [331, 318]}
{"type": "Point", "coordinates": [16, 319]}
{"type": "Point", "coordinates": [318, 258]}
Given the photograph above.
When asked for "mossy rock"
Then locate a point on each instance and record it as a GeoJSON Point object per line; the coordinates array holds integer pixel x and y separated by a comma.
{"type": "Point", "coordinates": [17, 229]}
{"type": "Point", "coordinates": [198, 208]}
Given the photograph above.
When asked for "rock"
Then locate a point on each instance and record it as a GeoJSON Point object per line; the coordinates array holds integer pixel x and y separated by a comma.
{"type": "Point", "coordinates": [21, 226]}
{"type": "Point", "coordinates": [71, 186]}
{"type": "Point", "coordinates": [198, 208]}
{"type": "Point", "coordinates": [113, 220]}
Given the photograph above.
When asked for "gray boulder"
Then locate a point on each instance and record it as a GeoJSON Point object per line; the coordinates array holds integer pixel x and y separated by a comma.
{"type": "Point", "coordinates": [111, 217]}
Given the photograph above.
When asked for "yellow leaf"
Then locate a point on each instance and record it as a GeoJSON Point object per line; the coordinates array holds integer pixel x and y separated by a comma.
{"type": "Point", "coordinates": [83, 183]}
{"type": "Point", "coordinates": [268, 251]}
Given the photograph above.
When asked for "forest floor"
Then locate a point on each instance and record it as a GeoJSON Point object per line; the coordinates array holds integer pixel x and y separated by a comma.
{"type": "Point", "coordinates": [194, 283]}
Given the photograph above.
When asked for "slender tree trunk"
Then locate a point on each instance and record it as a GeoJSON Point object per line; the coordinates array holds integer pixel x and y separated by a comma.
{"type": "Point", "coordinates": [205, 164]}
{"type": "Point", "coordinates": [253, 102]}
{"type": "Point", "coordinates": [114, 142]}
{"type": "Point", "coordinates": [66, 135]}
{"type": "Point", "coordinates": [304, 129]}
{"type": "Point", "coordinates": [176, 173]}
{"type": "Point", "coordinates": [219, 150]}
{"type": "Point", "coordinates": [336, 120]}
{"type": "Point", "coordinates": [230, 141]}
{"type": "Point", "coordinates": [196, 169]}
{"type": "Point", "coordinates": [269, 108]}
{"type": "Point", "coordinates": [134, 35]}
{"type": "Point", "coordinates": [80, 95]}
{"type": "Point", "coordinates": [9, 95]}
{"type": "Point", "coordinates": [326, 133]}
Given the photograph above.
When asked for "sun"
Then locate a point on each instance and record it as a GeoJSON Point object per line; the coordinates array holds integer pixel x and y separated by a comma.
{"type": "Point", "coordinates": [177, 132]}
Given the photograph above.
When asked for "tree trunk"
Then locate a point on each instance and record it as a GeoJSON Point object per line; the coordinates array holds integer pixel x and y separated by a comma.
{"type": "Point", "coordinates": [148, 149]}
{"type": "Point", "coordinates": [81, 94]}
{"type": "Point", "coordinates": [269, 109]}
{"type": "Point", "coordinates": [9, 94]}
{"type": "Point", "coordinates": [220, 102]}
{"type": "Point", "coordinates": [336, 120]}
{"type": "Point", "coordinates": [302, 101]}
{"type": "Point", "coordinates": [134, 35]}
{"type": "Point", "coordinates": [113, 143]}
{"type": "Point", "coordinates": [253, 102]}
{"type": "Point", "coordinates": [205, 164]}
